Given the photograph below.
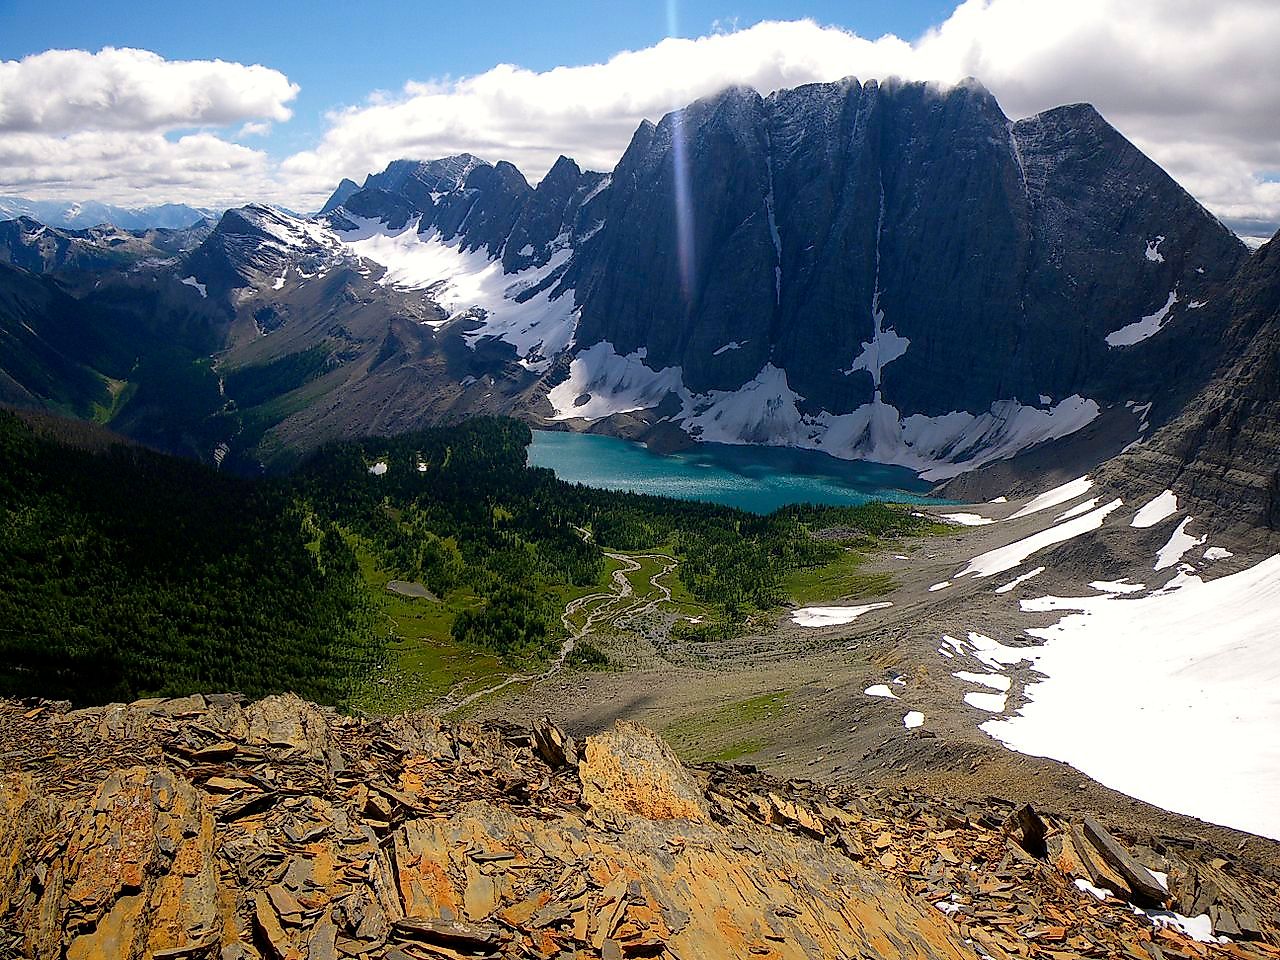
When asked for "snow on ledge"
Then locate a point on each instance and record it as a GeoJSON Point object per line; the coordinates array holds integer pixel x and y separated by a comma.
{"type": "Point", "coordinates": [1013, 555]}
{"type": "Point", "coordinates": [1148, 326]}
{"type": "Point", "coordinates": [1159, 509]}
{"type": "Point", "coordinates": [766, 410]}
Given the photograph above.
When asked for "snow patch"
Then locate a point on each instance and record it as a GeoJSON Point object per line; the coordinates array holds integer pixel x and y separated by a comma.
{"type": "Point", "coordinates": [611, 384]}
{"type": "Point", "coordinates": [913, 719]}
{"type": "Point", "coordinates": [379, 468]}
{"type": "Point", "coordinates": [880, 690]}
{"type": "Point", "coordinates": [990, 702]}
{"type": "Point", "coordinates": [833, 616]}
{"type": "Point", "coordinates": [1161, 508]}
{"type": "Point", "coordinates": [200, 287]}
{"type": "Point", "coordinates": [967, 519]}
{"type": "Point", "coordinates": [1153, 250]}
{"type": "Point", "coordinates": [1079, 508]}
{"type": "Point", "coordinates": [996, 681]}
{"type": "Point", "coordinates": [1181, 541]}
{"type": "Point", "coordinates": [992, 653]}
{"type": "Point", "coordinates": [1148, 326]}
{"type": "Point", "coordinates": [1218, 553]}
{"type": "Point", "coordinates": [1013, 555]}
{"type": "Point", "coordinates": [1117, 586]}
{"type": "Point", "coordinates": [1054, 497]}
{"type": "Point", "coordinates": [1016, 581]}
{"type": "Point", "coordinates": [885, 345]}
{"type": "Point", "coordinates": [996, 654]}
{"type": "Point", "coordinates": [940, 586]}
{"type": "Point", "coordinates": [731, 345]}
{"type": "Point", "coordinates": [468, 283]}
{"type": "Point", "coordinates": [1199, 929]}
{"type": "Point", "coordinates": [1084, 886]}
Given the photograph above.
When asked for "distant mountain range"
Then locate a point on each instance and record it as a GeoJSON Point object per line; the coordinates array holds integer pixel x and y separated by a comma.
{"type": "Point", "coordinates": [90, 213]}
{"type": "Point", "coordinates": [889, 271]}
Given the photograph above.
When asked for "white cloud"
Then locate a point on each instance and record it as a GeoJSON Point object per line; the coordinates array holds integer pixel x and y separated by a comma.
{"type": "Point", "coordinates": [70, 91]}
{"type": "Point", "coordinates": [134, 168]}
{"type": "Point", "coordinates": [129, 126]}
{"type": "Point", "coordinates": [1196, 85]}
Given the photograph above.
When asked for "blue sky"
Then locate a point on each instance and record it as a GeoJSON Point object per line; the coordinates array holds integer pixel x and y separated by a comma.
{"type": "Point", "coordinates": [339, 52]}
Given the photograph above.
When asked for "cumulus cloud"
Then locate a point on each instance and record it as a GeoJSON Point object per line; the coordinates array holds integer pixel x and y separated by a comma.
{"type": "Point", "coordinates": [135, 168]}
{"type": "Point", "coordinates": [1196, 85]}
{"type": "Point", "coordinates": [128, 125]}
{"type": "Point", "coordinates": [69, 91]}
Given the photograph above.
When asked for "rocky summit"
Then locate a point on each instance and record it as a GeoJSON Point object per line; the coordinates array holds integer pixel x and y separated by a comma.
{"type": "Point", "coordinates": [210, 827]}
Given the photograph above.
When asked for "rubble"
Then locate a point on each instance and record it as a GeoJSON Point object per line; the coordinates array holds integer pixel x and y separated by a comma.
{"type": "Point", "coordinates": [211, 828]}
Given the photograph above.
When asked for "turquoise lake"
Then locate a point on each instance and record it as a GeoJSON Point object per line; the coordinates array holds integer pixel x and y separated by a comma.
{"type": "Point", "coordinates": [758, 479]}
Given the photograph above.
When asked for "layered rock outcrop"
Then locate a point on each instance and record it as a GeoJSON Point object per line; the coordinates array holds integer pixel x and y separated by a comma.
{"type": "Point", "coordinates": [1219, 454]}
{"type": "Point", "coordinates": [207, 827]}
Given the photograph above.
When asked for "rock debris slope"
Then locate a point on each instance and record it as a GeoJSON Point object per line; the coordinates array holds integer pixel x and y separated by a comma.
{"type": "Point", "coordinates": [205, 827]}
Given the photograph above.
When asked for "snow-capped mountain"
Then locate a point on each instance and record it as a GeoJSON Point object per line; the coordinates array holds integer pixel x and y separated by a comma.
{"type": "Point", "coordinates": [40, 248]}
{"type": "Point", "coordinates": [76, 215]}
{"type": "Point", "coordinates": [890, 271]}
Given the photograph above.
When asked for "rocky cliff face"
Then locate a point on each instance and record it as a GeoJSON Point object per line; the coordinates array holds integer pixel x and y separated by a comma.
{"type": "Point", "coordinates": [1220, 452]}
{"type": "Point", "coordinates": [891, 271]}
{"type": "Point", "coordinates": [207, 827]}
{"type": "Point", "coordinates": [857, 256]}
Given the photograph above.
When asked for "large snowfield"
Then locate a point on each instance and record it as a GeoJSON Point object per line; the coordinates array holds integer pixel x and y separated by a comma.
{"type": "Point", "coordinates": [461, 281]}
{"type": "Point", "coordinates": [1171, 695]}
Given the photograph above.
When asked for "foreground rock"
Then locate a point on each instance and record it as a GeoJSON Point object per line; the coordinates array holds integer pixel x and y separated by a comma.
{"type": "Point", "coordinates": [207, 827]}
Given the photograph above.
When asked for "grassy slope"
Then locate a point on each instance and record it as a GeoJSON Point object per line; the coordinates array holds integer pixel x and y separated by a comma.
{"type": "Point", "coordinates": [728, 732]}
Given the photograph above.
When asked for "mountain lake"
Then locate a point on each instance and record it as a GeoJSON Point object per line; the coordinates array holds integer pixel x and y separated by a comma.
{"type": "Point", "coordinates": [757, 479]}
